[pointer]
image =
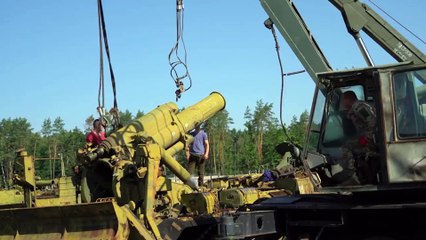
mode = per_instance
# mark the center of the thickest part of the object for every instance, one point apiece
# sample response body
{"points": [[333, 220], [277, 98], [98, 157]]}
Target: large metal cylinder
{"points": [[165, 125]]}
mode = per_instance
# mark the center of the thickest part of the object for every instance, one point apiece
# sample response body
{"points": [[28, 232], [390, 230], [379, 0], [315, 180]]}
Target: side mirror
{"points": [[285, 147]]}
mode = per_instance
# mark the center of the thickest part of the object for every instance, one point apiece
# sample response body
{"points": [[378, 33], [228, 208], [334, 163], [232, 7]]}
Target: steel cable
{"points": [[174, 53]]}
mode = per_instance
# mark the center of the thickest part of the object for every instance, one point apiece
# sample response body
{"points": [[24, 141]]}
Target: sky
{"points": [[49, 55]]}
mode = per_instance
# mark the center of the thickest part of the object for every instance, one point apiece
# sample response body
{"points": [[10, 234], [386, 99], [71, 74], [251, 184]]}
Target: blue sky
{"points": [[49, 59]]}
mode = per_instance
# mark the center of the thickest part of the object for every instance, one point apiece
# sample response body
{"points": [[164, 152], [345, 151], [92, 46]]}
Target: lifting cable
{"points": [[269, 25], [177, 62], [101, 92]]}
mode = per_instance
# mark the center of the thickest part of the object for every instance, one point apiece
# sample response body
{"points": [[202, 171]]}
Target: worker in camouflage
{"points": [[356, 151], [363, 117]]}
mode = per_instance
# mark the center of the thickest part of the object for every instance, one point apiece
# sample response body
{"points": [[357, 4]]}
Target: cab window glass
{"points": [[410, 103], [338, 127], [314, 131]]}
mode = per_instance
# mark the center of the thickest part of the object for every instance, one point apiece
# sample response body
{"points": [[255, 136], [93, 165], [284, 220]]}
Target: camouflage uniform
{"points": [[363, 117]]}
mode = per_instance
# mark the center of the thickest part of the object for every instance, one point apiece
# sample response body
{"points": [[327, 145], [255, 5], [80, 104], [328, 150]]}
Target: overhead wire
{"points": [[399, 23], [177, 63]]}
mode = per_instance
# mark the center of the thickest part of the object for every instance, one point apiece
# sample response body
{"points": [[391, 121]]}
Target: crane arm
{"points": [[359, 16], [294, 30]]}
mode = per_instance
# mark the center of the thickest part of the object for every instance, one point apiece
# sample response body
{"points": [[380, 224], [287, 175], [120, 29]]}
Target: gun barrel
{"points": [[164, 124]]}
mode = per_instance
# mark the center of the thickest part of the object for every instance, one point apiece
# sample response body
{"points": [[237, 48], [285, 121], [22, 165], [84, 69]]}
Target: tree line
{"points": [[251, 149], [233, 151]]}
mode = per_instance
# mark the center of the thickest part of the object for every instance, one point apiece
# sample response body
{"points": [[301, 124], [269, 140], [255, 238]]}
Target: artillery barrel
{"points": [[164, 124]]}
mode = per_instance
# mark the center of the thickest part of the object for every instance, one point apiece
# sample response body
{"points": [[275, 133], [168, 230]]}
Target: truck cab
{"points": [[397, 94], [384, 198]]}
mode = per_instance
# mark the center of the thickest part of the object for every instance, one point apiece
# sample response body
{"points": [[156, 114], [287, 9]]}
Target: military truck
{"points": [[386, 198]]}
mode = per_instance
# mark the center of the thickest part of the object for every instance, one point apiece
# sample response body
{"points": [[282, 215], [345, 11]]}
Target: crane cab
{"points": [[396, 151]]}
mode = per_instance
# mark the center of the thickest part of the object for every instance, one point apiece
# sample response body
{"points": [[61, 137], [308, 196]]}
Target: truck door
{"points": [[406, 129]]}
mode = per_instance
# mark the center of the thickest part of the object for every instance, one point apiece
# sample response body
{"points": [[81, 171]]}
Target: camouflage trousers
{"points": [[354, 158], [348, 161]]}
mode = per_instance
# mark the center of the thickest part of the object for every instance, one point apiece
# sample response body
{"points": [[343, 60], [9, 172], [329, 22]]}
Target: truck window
{"points": [[338, 128], [315, 128], [410, 104]]}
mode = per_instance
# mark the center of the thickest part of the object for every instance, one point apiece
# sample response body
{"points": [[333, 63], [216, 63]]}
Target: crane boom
{"points": [[359, 16], [294, 30]]}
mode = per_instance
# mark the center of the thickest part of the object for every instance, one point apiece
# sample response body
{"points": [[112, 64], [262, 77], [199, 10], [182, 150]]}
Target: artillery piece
{"points": [[126, 165]]}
